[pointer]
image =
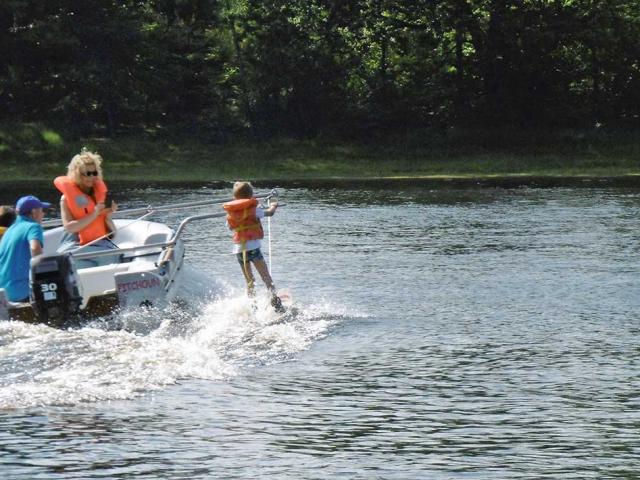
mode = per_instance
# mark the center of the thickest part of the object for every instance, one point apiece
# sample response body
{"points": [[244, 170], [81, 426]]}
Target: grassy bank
{"points": [[35, 152]]}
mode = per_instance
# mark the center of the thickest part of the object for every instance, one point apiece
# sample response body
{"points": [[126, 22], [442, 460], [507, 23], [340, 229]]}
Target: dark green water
{"points": [[440, 333]]}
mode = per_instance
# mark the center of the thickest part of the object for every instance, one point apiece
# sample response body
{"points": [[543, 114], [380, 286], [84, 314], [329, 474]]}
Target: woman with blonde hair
{"points": [[85, 216]]}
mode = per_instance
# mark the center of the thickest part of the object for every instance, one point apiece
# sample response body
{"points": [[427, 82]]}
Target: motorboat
{"points": [[143, 271]]}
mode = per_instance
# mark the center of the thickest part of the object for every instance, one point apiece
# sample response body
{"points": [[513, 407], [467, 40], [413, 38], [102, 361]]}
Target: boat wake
{"points": [[216, 333]]}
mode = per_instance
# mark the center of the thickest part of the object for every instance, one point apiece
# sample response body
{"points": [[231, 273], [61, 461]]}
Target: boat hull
{"points": [[147, 274]]}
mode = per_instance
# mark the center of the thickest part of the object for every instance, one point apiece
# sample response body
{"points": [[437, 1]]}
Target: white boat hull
{"points": [[146, 273]]}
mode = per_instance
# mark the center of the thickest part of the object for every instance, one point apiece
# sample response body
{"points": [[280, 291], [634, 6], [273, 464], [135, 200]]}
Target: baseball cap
{"points": [[28, 203]]}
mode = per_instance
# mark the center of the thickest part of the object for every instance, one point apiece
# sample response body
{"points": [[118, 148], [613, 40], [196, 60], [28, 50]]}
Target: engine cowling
{"points": [[55, 296]]}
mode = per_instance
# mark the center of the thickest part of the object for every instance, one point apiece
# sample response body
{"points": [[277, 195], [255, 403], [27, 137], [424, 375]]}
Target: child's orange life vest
{"points": [[241, 217], [80, 205]]}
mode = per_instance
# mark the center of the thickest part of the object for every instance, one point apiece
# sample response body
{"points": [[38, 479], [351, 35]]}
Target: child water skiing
{"points": [[243, 217]]}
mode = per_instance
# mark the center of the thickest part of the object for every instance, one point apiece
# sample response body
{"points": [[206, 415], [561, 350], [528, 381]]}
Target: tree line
{"points": [[306, 67]]}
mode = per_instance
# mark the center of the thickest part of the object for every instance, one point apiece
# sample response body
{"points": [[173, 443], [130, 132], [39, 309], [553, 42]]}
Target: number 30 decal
{"points": [[49, 287]]}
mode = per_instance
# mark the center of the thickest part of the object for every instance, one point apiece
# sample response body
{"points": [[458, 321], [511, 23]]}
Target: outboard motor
{"points": [[55, 297]]}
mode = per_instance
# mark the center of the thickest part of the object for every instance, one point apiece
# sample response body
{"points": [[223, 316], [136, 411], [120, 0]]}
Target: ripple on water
{"points": [[479, 333]]}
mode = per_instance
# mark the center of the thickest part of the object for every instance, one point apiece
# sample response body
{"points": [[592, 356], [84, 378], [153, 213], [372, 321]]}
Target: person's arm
{"points": [[269, 212], [36, 247], [35, 236], [111, 226], [72, 225]]}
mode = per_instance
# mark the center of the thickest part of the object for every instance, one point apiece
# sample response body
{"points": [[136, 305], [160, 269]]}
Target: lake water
{"points": [[439, 333]]}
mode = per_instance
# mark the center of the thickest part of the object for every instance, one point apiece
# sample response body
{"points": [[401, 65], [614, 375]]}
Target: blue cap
{"points": [[28, 203]]}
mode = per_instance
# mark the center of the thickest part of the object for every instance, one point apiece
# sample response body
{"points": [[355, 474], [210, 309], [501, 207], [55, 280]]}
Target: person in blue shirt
{"points": [[22, 240]]}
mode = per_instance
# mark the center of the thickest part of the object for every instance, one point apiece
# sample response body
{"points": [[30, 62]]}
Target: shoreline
{"points": [[422, 157], [487, 181]]}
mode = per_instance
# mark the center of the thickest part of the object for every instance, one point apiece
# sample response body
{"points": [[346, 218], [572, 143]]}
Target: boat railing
{"points": [[166, 208], [145, 248]]}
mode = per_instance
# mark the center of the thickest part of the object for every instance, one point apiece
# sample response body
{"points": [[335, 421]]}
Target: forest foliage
{"points": [[301, 68]]}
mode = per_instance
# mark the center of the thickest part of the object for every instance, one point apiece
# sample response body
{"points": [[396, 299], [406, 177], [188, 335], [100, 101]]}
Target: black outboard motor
{"points": [[54, 289]]}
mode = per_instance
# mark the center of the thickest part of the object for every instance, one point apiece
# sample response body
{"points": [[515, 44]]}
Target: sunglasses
{"points": [[93, 173]]}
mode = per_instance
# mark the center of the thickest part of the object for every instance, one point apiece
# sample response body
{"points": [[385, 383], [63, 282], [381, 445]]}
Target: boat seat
{"points": [[156, 238], [128, 245]]}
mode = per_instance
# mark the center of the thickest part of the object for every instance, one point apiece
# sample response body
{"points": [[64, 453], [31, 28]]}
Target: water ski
{"points": [[281, 301], [285, 297]]}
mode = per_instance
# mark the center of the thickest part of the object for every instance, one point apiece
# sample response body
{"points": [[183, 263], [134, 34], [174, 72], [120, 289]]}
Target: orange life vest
{"points": [[241, 217], [80, 205]]}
